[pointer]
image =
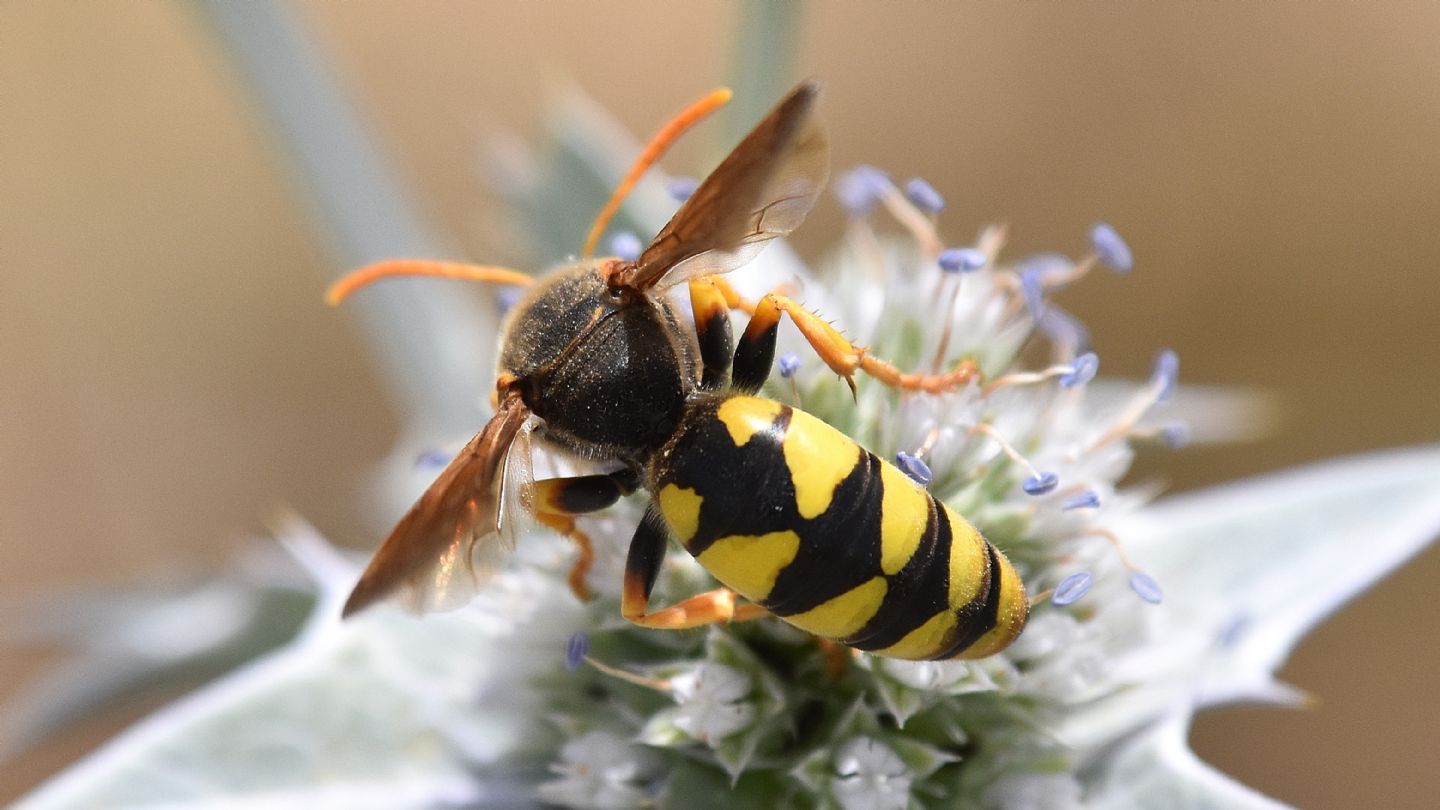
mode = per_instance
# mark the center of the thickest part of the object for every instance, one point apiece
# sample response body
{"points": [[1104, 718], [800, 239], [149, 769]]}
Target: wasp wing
{"points": [[517, 495], [453, 537], [762, 190]]}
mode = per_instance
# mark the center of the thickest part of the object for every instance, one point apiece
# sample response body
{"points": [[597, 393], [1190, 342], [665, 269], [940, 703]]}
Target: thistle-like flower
{"points": [[1021, 454], [1142, 612]]}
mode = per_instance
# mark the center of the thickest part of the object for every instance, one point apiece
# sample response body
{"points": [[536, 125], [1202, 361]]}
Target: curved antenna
{"points": [[369, 274], [657, 147]]}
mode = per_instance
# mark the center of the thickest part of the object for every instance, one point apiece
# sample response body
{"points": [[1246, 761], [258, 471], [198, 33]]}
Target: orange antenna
{"points": [[662, 141], [363, 277]]}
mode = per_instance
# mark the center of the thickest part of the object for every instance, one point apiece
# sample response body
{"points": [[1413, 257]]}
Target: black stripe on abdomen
{"points": [[917, 591], [839, 548], [978, 616]]}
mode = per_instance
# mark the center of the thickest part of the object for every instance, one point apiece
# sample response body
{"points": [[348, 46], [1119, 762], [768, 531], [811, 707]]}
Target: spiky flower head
{"points": [[764, 711]]}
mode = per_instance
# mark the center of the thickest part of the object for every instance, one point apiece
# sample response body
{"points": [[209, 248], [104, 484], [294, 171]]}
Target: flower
{"points": [[528, 694], [1051, 507], [870, 775], [600, 770], [712, 700]]}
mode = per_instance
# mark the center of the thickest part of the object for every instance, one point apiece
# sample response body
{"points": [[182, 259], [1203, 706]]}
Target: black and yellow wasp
{"points": [[783, 509]]}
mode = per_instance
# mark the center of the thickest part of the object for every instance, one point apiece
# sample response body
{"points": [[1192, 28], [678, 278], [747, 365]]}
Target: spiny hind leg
{"points": [[642, 566], [558, 500], [755, 352]]}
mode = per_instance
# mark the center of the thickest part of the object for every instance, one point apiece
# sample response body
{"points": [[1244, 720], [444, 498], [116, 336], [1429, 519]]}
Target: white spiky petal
{"points": [[870, 776], [712, 701], [600, 770]]}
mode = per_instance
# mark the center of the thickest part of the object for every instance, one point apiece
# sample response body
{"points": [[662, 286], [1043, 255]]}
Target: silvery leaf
{"points": [[1156, 769], [1249, 567]]}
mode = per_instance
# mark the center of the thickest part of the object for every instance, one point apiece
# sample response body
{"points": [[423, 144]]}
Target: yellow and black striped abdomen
{"points": [[795, 516]]}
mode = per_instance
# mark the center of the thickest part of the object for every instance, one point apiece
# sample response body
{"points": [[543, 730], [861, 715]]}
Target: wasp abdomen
{"points": [[795, 516]]}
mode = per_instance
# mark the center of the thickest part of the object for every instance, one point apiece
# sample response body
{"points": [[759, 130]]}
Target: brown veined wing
{"points": [[461, 529], [761, 191]]}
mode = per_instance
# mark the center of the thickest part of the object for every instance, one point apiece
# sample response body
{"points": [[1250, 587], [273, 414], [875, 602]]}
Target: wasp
{"points": [[792, 517]]}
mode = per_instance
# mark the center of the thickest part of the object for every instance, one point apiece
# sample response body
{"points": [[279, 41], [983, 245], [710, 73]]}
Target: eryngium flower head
{"points": [[771, 712]]}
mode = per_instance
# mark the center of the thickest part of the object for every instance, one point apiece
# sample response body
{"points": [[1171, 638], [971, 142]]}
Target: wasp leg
{"points": [[642, 566], [733, 299], [756, 352], [712, 326], [558, 500], [837, 657]]}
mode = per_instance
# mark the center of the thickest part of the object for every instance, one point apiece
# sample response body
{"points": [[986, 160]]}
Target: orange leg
{"points": [[733, 299], [712, 607], [837, 657], [844, 357], [558, 500], [711, 308], [642, 566], [565, 524]]}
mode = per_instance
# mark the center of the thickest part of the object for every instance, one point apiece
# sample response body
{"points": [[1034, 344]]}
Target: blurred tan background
{"points": [[167, 369]]}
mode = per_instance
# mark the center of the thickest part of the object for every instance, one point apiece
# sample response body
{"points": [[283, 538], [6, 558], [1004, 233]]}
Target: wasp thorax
{"points": [[609, 377]]}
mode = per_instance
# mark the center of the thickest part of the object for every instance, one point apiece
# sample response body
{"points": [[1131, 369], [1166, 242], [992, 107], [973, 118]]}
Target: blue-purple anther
{"points": [[626, 245], [576, 648], [1167, 372], [924, 196], [1046, 265], [507, 297], [1235, 629], [1040, 483], [1082, 370], [1072, 589], [789, 364], [860, 189], [960, 260], [1175, 435], [1063, 329], [433, 459], [1146, 587], [915, 467], [1111, 248], [1032, 287], [681, 187], [1089, 499]]}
